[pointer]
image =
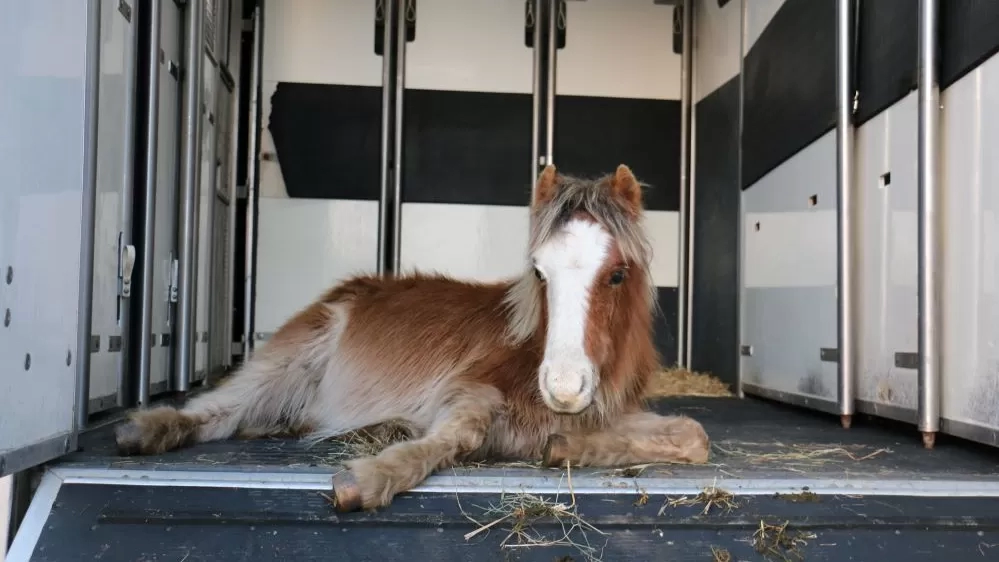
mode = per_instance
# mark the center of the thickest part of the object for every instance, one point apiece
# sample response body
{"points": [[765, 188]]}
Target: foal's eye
{"points": [[537, 273], [617, 277]]}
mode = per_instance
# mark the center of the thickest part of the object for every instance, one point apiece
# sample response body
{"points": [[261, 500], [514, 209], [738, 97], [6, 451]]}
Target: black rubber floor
{"points": [[750, 438]]}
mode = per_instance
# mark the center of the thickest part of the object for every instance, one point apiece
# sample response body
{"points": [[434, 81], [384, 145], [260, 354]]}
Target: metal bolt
{"points": [[27, 361], [6, 318], [10, 275], [69, 358]]}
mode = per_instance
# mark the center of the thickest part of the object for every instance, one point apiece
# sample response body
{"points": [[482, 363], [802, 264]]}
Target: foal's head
{"points": [[591, 262]]}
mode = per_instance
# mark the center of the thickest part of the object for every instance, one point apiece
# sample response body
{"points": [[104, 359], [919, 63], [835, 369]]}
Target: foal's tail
{"points": [[268, 395]]}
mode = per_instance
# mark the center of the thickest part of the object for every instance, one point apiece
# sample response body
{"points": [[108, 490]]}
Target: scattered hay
{"points": [[720, 554], [777, 541], [522, 511], [804, 496], [681, 382], [643, 499], [368, 441], [799, 455], [710, 497]]}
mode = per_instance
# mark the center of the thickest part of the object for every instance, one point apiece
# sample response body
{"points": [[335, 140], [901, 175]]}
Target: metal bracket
{"points": [[829, 354], [166, 340], [95, 344], [907, 360], [114, 344], [125, 10], [746, 350], [174, 279], [174, 69], [126, 264]]}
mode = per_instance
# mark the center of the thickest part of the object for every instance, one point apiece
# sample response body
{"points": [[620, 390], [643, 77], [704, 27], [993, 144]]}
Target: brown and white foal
{"points": [[552, 364]]}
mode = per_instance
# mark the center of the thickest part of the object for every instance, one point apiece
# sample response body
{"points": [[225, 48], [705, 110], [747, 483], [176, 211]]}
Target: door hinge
{"points": [[126, 264], [174, 279]]}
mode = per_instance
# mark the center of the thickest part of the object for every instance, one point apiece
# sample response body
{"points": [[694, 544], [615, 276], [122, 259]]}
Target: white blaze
{"points": [[569, 262]]}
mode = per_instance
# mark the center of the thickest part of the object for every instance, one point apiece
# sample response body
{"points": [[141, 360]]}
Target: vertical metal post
{"points": [[405, 8], [846, 254], [188, 213], [211, 286], [230, 281], [85, 302], [741, 265], [146, 254], [251, 177], [128, 196], [535, 8], [685, 229], [930, 258], [388, 13], [553, 16]]}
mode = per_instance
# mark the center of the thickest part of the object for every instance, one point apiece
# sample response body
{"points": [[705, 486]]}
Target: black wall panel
{"points": [[969, 34], [327, 139], [886, 54], [715, 332], [790, 85], [665, 325], [467, 147], [593, 135]]}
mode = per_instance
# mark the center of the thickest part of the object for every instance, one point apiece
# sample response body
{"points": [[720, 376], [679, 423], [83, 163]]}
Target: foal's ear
{"points": [[625, 186], [547, 183]]}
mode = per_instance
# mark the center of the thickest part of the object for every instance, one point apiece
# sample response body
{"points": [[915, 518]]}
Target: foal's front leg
{"points": [[637, 438], [460, 428]]}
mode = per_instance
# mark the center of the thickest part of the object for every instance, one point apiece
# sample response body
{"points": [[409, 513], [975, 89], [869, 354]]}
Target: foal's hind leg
{"points": [[460, 428], [636, 438]]}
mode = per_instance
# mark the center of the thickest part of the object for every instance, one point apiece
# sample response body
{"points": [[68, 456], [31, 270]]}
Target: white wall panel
{"points": [[970, 138], [758, 15], [321, 42], [476, 242], [304, 246], [619, 49], [471, 45], [167, 178], [663, 228], [109, 218], [716, 46], [789, 275], [888, 256], [43, 87]]}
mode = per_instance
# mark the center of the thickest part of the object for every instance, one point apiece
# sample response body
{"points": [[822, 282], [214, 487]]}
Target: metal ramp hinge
{"points": [[174, 279], [856, 102], [126, 265]]}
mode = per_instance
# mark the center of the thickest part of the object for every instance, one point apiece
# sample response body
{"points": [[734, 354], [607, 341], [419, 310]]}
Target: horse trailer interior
{"points": [[179, 177]]}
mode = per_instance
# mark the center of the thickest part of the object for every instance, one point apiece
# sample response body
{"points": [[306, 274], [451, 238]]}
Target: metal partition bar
{"points": [[405, 8], [230, 281], [685, 230], [535, 13], [211, 287], [740, 259], [89, 212], [188, 213], [846, 250], [388, 12], [145, 287], [128, 196], [553, 7], [251, 177], [930, 258]]}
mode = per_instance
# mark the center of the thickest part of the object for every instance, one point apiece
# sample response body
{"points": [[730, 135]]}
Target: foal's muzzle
{"points": [[567, 387]]}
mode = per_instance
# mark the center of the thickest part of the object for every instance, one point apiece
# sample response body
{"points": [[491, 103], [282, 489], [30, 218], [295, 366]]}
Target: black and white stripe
{"points": [[466, 140]]}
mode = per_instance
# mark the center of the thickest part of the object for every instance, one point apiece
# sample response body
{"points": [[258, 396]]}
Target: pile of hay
{"points": [[682, 382]]}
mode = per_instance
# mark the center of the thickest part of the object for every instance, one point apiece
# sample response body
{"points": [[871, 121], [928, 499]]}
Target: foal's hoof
{"points": [[346, 492], [128, 438], [556, 450]]}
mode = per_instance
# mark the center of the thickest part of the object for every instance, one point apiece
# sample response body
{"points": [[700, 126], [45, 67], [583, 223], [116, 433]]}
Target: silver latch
{"points": [[126, 261], [174, 279]]}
